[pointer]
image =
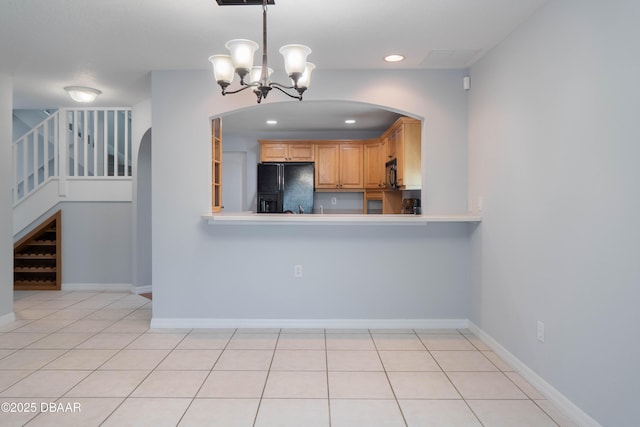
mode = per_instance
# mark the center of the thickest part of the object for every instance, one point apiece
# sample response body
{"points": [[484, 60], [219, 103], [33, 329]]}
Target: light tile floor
{"points": [[89, 359]]}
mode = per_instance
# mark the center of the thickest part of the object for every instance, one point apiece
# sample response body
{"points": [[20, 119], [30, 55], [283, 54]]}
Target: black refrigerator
{"points": [[285, 187]]}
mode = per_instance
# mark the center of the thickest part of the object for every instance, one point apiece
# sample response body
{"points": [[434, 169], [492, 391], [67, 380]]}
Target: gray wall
{"points": [[387, 272], [554, 149], [96, 243], [6, 211]]}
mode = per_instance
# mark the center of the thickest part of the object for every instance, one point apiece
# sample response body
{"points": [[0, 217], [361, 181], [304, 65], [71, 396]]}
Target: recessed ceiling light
{"points": [[394, 58], [350, 121], [272, 122]]}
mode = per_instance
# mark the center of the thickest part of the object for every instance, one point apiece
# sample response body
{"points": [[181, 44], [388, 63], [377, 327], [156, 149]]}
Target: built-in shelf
{"points": [[333, 219], [36, 257]]}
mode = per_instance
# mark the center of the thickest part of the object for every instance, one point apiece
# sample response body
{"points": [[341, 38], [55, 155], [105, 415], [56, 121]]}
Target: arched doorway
{"points": [[143, 247]]}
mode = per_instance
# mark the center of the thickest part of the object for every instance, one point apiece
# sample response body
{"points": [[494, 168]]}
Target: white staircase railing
{"points": [[73, 144], [35, 159]]}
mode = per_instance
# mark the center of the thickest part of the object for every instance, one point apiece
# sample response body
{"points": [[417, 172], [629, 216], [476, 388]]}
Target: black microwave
{"points": [[392, 173]]}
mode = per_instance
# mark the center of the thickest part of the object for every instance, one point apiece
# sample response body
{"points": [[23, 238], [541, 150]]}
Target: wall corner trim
{"points": [[7, 318], [99, 287], [551, 393], [310, 323], [142, 289]]}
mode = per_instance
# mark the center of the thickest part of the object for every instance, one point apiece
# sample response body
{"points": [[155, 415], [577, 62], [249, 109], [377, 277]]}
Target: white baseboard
{"points": [[7, 318], [167, 323], [552, 394], [142, 289], [98, 287]]}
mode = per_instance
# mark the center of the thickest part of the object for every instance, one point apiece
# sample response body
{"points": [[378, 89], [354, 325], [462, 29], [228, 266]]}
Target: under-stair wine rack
{"points": [[37, 257]]}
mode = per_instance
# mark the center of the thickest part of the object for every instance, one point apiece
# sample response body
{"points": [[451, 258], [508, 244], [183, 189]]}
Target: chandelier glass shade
{"points": [[240, 61]]}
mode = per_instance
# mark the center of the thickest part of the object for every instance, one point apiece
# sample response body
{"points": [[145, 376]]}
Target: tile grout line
{"points": [[137, 335], [42, 368], [326, 366], [508, 378], [449, 379], [207, 376], [386, 374], [124, 399], [545, 412], [264, 387]]}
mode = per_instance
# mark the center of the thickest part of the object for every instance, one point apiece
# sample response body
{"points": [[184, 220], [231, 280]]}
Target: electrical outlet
{"points": [[540, 331], [297, 271], [480, 203], [334, 200]]}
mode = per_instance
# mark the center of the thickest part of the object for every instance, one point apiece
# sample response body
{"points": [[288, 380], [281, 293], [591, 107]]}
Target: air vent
{"points": [[243, 2]]}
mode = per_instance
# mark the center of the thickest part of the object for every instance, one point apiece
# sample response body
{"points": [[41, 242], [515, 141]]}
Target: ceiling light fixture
{"points": [[394, 58], [350, 121], [82, 94], [272, 122], [240, 61]]}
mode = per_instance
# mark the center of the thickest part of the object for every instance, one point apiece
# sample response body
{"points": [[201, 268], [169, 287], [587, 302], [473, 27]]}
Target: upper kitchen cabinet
{"points": [[375, 157], [389, 145], [339, 166], [404, 142], [286, 151]]}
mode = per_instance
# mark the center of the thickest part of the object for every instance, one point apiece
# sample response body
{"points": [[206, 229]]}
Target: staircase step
{"points": [[35, 256]]}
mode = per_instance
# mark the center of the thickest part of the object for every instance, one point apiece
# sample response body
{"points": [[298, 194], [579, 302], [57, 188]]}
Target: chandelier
{"points": [[240, 62]]}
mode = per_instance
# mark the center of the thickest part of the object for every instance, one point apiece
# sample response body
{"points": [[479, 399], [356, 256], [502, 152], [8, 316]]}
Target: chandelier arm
{"points": [[278, 86], [231, 92], [296, 87]]}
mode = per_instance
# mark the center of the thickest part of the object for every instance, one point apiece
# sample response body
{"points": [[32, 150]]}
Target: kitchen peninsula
{"points": [[356, 169], [250, 218]]}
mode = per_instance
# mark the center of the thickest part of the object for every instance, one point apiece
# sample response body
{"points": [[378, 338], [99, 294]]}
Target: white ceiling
{"points": [[113, 45]]}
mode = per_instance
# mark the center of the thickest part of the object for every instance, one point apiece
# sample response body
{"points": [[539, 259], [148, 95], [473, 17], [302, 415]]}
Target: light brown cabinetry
{"points": [[374, 164], [339, 165], [389, 145], [404, 139], [356, 164], [327, 165], [216, 165], [369, 197], [281, 151], [392, 202]]}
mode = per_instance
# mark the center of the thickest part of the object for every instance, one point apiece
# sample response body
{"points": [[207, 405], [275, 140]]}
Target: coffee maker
{"points": [[411, 206]]}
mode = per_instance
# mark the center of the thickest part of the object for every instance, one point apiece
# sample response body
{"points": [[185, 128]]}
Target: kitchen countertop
{"points": [[334, 219]]}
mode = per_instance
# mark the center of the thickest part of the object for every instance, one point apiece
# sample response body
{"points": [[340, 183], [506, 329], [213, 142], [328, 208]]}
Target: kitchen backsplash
{"points": [[345, 203]]}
